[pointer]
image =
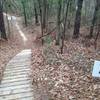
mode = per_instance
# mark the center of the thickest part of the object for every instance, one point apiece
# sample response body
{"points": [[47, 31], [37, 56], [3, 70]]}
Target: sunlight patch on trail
{"points": [[21, 33], [13, 18]]}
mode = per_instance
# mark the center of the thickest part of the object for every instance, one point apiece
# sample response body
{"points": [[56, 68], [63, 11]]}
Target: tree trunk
{"points": [[97, 36], [78, 19], [36, 14], [25, 16], [58, 36], [41, 17], [44, 13], [2, 26], [64, 30], [94, 18]]}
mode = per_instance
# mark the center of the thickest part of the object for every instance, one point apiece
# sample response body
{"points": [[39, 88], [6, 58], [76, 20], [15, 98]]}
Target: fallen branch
{"points": [[50, 31]]}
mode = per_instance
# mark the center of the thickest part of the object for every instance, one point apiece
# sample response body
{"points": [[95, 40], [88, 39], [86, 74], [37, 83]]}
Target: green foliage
{"points": [[48, 39]]}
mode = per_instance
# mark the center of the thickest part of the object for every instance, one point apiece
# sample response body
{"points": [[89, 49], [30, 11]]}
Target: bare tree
{"points": [[24, 11], [44, 13], [97, 6], [41, 17], [64, 30], [78, 19], [58, 36], [2, 26], [36, 13]]}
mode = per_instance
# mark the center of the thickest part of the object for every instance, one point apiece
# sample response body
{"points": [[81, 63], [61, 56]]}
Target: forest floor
{"points": [[66, 76]]}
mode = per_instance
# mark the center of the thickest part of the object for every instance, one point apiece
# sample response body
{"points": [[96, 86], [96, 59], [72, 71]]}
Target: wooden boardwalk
{"points": [[16, 83]]}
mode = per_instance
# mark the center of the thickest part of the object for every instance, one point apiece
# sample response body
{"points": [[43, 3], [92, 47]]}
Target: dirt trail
{"points": [[20, 38], [27, 36]]}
